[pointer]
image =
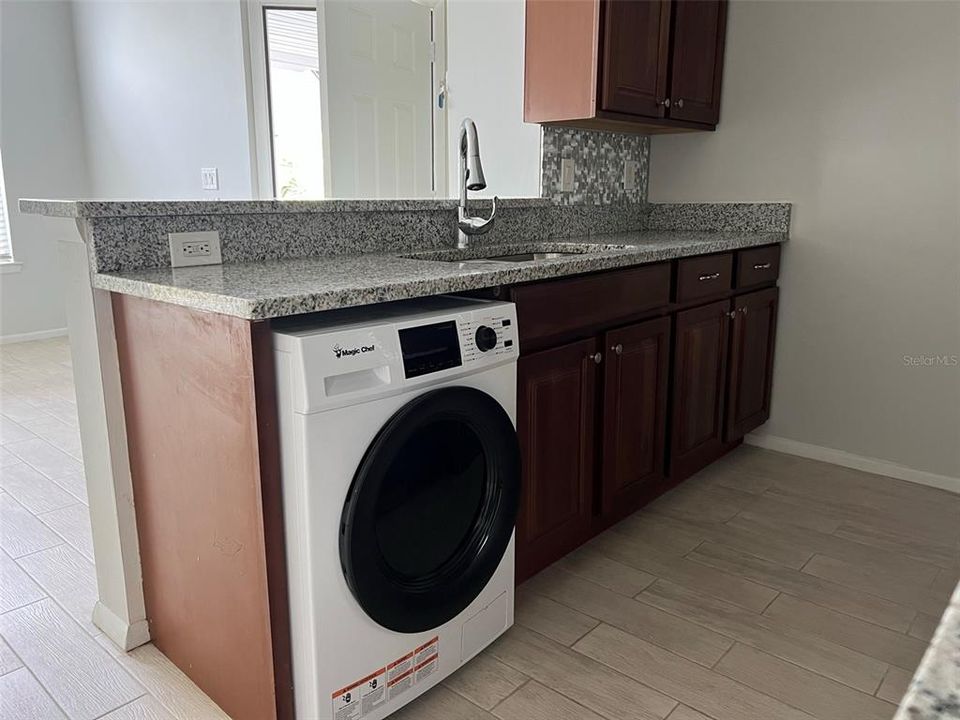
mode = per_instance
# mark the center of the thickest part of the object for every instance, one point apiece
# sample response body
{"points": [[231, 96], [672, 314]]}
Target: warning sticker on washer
{"points": [[367, 694], [426, 660]]}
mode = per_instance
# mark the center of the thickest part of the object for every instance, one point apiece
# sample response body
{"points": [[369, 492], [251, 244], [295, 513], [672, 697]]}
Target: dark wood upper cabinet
{"points": [[751, 361], [556, 425], [699, 380], [634, 414], [635, 49], [648, 66], [699, 27]]}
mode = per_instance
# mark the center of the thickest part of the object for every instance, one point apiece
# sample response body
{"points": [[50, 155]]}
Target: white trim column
{"points": [[119, 611]]}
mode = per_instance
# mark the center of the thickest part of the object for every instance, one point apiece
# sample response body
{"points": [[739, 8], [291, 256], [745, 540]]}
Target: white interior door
{"points": [[379, 97]]}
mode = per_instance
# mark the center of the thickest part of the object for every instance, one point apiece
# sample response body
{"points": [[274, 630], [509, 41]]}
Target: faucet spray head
{"points": [[470, 153]]}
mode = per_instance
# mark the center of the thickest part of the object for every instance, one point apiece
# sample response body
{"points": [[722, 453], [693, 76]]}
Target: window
{"points": [[6, 250], [293, 89]]}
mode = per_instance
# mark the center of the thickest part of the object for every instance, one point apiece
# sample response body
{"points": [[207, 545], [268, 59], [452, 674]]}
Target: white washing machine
{"points": [[401, 482]]}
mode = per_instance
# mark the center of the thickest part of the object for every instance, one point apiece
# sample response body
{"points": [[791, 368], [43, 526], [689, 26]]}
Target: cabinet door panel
{"points": [[556, 425], [699, 380], [634, 414], [697, 60], [635, 54], [751, 361]]}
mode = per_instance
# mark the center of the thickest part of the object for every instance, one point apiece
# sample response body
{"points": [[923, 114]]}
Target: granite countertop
{"points": [[934, 692], [270, 289]]}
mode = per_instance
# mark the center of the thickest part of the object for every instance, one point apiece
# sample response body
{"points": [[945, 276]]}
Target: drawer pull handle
{"points": [[596, 357], [709, 276], [762, 266], [618, 349]]}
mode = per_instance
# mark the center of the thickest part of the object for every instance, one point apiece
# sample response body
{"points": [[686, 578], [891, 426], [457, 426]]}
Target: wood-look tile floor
{"points": [[765, 588]]}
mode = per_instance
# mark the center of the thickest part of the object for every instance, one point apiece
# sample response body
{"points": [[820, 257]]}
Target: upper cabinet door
{"points": [[751, 361], [634, 414], [698, 31], [635, 52]]}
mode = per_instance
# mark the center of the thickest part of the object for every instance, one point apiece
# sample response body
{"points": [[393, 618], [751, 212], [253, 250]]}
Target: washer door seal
{"points": [[431, 509]]}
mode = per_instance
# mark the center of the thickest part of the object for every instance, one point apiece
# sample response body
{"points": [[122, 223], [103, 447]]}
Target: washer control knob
{"points": [[486, 338]]}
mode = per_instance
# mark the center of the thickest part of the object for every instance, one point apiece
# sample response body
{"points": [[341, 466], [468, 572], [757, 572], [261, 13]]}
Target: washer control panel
{"points": [[488, 335]]}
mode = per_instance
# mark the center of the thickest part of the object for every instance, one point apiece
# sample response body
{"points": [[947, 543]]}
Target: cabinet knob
{"points": [[732, 314], [665, 102], [618, 349], [678, 102], [743, 310], [597, 357]]}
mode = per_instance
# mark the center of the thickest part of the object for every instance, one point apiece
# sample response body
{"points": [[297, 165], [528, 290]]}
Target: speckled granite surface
{"points": [[934, 692], [268, 289], [757, 217], [125, 236], [141, 208]]}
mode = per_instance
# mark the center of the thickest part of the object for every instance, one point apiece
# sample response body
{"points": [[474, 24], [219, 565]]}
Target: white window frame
{"points": [[6, 243], [258, 92]]}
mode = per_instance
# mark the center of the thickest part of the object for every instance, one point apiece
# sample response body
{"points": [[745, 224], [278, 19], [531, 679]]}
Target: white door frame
{"points": [[258, 98]]}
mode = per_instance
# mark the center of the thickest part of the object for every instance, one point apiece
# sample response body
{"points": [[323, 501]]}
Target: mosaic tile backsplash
{"points": [[599, 159]]}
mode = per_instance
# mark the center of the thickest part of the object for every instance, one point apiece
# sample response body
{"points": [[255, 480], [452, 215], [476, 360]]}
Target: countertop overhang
{"points": [[270, 289]]}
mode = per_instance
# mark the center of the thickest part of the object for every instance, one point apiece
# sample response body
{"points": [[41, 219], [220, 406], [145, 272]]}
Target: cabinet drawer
{"points": [[562, 307], [704, 277], [758, 266]]}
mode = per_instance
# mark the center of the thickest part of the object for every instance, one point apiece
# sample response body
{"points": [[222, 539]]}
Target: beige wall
{"points": [[851, 110]]}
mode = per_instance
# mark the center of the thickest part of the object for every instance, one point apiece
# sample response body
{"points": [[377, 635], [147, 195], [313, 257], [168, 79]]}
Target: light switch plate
{"points": [[195, 248], [209, 178], [567, 170], [629, 174]]}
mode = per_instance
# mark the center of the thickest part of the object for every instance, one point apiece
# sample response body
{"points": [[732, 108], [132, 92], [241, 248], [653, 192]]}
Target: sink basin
{"points": [[531, 256], [518, 253]]}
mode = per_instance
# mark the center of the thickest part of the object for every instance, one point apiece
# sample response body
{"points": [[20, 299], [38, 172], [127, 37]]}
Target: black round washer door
{"points": [[431, 509]]}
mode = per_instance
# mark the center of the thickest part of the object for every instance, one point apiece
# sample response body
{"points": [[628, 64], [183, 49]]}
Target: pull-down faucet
{"points": [[471, 178]]}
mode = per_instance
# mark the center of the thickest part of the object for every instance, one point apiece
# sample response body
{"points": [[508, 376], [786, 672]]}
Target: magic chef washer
{"points": [[401, 481]]}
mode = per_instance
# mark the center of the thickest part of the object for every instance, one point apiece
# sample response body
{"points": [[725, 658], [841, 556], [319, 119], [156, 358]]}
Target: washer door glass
{"points": [[431, 509]]}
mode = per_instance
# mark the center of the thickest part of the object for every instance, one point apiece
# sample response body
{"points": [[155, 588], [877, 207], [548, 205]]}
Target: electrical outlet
{"points": [[567, 170], [195, 248], [629, 174], [209, 178]]}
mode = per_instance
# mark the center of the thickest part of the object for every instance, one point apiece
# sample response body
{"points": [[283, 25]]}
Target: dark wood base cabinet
{"points": [[555, 416], [627, 394]]}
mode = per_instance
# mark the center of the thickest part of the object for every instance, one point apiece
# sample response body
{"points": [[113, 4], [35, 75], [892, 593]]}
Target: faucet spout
{"points": [[471, 178]]}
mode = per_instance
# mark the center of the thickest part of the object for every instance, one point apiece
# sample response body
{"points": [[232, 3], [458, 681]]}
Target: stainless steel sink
{"points": [[531, 256], [518, 253]]}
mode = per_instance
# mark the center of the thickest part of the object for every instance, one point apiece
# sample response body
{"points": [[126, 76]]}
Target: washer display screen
{"points": [[429, 348]]}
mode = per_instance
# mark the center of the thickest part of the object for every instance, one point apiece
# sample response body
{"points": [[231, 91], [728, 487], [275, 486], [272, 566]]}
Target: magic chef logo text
{"points": [[342, 352]]}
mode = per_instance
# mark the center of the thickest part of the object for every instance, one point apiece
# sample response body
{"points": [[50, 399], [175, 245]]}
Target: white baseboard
{"points": [[27, 337], [124, 635], [850, 460]]}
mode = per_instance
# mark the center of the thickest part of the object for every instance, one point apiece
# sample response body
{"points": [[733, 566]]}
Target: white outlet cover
{"points": [[209, 178], [629, 174], [567, 170], [178, 258]]}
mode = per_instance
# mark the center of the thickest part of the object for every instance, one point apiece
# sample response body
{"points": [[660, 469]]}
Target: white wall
{"points": [[485, 79], [41, 137], [164, 94], [852, 111]]}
